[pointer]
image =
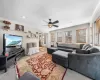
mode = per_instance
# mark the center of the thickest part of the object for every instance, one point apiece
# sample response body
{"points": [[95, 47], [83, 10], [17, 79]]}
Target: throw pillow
{"points": [[86, 46], [93, 50]]}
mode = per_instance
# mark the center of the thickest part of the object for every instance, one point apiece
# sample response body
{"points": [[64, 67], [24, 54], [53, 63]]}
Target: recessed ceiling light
{"points": [[23, 17]]}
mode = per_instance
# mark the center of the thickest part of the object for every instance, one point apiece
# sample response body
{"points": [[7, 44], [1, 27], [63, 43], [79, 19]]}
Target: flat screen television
{"points": [[12, 40]]}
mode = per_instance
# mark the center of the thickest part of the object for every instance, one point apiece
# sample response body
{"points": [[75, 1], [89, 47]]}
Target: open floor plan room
{"points": [[49, 40]]}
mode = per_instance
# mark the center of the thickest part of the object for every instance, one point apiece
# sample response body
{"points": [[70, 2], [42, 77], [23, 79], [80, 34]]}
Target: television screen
{"points": [[13, 40]]}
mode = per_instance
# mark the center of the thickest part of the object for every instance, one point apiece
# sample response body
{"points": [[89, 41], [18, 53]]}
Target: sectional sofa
{"points": [[86, 64], [84, 61]]}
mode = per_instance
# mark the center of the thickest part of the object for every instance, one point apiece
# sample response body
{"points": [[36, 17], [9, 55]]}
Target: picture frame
{"points": [[19, 27]]}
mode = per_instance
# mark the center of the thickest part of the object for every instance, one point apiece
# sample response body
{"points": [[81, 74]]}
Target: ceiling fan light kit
{"points": [[51, 24]]}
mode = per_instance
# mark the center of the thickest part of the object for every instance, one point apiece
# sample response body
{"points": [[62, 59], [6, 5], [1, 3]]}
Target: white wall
{"points": [[95, 16], [45, 36], [96, 13], [73, 29], [12, 31]]}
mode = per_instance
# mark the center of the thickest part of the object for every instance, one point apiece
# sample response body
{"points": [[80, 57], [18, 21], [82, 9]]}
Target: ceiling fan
{"points": [[50, 24]]}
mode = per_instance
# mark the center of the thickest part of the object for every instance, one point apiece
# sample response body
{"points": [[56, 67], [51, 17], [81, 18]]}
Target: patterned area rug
{"points": [[41, 65]]}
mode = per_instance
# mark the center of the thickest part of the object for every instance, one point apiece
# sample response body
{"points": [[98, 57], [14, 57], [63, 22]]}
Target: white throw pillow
{"points": [[86, 46]]}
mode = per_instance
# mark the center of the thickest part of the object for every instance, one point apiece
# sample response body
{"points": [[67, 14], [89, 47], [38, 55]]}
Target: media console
{"points": [[14, 54], [17, 52]]}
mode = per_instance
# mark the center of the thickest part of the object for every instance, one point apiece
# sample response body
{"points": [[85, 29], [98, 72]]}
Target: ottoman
{"points": [[61, 58], [51, 50]]}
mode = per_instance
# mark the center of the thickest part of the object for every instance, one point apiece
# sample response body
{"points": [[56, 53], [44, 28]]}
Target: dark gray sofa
{"points": [[85, 61], [51, 50], [65, 47], [86, 64], [69, 47]]}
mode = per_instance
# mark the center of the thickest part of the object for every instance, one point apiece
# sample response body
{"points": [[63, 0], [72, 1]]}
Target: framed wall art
{"points": [[19, 27]]}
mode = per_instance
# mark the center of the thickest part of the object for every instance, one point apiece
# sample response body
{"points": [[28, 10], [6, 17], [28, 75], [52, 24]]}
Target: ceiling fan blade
{"points": [[45, 21], [55, 25], [55, 22], [50, 20]]}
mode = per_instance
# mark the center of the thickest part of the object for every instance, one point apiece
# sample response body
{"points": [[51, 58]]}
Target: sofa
{"points": [[69, 47], [60, 54], [86, 64], [84, 60], [51, 50], [64, 47]]}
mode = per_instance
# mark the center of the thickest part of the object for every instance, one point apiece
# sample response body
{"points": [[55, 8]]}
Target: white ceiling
{"points": [[68, 12]]}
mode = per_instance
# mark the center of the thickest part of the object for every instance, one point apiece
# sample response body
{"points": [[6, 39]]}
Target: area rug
{"points": [[41, 65]]}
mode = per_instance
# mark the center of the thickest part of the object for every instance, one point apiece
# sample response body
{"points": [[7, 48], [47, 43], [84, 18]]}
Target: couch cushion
{"points": [[82, 51], [65, 49], [61, 53], [93, 50], [61, 58], [69, 46]]}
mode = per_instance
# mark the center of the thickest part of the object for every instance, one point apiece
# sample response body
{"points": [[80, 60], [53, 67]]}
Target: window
{"points": [[45, 38], [52, 37], [96, 36], [59, 36], [91, 35], [68, 37], [81, 35]]}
